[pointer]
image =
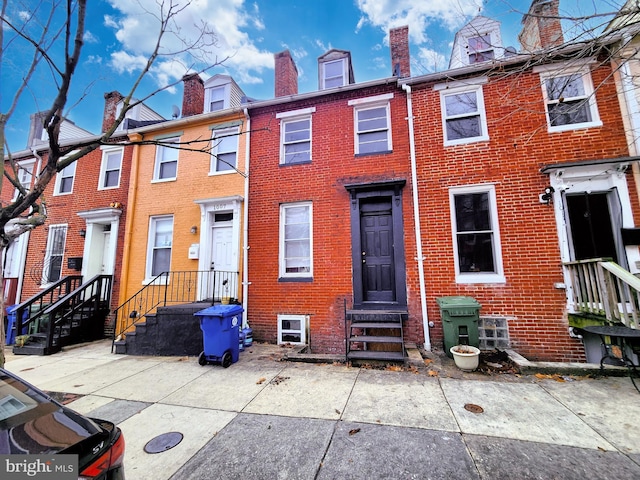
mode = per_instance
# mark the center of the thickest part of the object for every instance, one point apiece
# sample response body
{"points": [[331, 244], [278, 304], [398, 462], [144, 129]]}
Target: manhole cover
{"points": [[473, 408], [163, 442]]}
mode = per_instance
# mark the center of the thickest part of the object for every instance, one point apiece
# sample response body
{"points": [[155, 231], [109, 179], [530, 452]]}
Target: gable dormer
{"points": [[478, 41], [335, 69], [221, 92]]}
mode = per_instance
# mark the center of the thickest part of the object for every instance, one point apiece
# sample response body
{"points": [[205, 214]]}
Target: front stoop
{"points": [[375, 336]]}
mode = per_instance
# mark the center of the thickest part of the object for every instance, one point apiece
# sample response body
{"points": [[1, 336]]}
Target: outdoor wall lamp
{"points": [[83, 232], [547, 196], [194, 230]]}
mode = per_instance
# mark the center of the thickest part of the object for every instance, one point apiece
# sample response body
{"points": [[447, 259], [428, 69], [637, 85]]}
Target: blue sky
{"points": [[249, 32]]}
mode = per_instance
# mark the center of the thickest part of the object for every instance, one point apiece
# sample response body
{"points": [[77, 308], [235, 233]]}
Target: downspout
{"points": [[416, 215], [245, 221], [130, 206]]}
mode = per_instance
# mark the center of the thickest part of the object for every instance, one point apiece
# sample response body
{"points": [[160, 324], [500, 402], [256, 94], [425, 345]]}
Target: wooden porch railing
{"points": [[602, 287], [177, 287]]}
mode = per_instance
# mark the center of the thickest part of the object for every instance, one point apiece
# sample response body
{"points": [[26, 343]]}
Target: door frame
{"points": [[94, 246], [357, 192], [208, 208]]}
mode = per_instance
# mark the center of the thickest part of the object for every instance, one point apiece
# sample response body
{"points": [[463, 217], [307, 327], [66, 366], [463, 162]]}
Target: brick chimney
{"points": [[399, 46], [541, 28], [111, 100], [192, 95], [286, 81]]}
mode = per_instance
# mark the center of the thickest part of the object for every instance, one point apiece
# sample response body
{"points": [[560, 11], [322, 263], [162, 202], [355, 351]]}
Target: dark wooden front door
{"points": [[376, 229]]}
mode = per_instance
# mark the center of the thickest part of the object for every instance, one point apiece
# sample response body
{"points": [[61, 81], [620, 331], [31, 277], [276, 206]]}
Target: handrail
{"points": [[30, 311], [175, 287], [602, 287]]}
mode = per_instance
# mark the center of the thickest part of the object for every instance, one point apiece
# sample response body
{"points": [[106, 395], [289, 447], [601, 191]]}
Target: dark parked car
{"points": [[31, 422]]}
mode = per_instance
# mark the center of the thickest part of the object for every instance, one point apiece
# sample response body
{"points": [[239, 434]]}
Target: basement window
{"points": [[292, 329]]}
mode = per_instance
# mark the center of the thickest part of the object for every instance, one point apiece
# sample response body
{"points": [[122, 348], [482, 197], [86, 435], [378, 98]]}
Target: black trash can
{"points": [[220, 325]]}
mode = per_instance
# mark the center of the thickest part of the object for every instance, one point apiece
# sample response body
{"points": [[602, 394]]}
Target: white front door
{"points": [[222, 260], [107, 255]]}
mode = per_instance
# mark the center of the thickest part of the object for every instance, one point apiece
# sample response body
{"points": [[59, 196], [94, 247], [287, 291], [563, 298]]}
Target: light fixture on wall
{"points": [[547, 196], [194, 230], [83, 232]]}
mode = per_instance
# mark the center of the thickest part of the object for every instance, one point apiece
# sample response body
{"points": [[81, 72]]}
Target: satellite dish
{"points": [[175, 111]]}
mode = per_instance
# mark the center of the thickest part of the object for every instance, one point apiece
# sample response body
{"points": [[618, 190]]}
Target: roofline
{"points": [[321, 93], [586, 163]]}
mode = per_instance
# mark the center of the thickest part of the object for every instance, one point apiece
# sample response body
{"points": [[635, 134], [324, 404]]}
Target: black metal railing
{"points": [[66, 309], [176, 287]]}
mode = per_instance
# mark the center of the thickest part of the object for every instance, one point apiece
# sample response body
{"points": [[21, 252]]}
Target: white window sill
{"points": [[226, 172], [466, 141], [164, 180], [157, 281], [468, 278], [574, 126]]}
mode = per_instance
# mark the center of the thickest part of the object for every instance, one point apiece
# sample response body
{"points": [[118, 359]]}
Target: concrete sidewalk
{"points": [[264, 418]]}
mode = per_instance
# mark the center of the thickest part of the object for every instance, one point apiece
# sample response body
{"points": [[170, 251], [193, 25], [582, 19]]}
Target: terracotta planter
{"points": [[466, 357]]}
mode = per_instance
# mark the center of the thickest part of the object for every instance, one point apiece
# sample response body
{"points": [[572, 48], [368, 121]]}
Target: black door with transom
{"points": [[376, 229]]}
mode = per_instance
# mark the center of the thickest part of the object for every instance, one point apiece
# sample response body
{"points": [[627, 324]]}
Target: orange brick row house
{"points": [[339, 217]]}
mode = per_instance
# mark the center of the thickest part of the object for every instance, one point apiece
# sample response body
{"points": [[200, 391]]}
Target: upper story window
{"points": [[476, 236], [480, 48], [25, 176], [110, 169], [296, 243], [569, 98], [64, 179], [216, 98], [166, 166], [334, 73], [464, 118], [224, 156], [295, 136], [372, 124]]}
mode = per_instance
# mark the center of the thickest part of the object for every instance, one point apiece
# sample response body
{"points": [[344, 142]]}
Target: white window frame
{"points": [[104, 167], [478, 277], [208, 94], [160, 149], [290, 117], [50, 251], [304, 325], [67, 172], [151, 247], [457, 88], [282, 242], [343, 62], [470, 51], [564, 70], [218, 146], [25, 176], [369, 103]]}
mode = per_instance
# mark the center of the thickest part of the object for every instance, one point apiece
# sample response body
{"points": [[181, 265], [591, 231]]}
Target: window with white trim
{"points": [[296, 140], [463, 115], [480, 49], [110, 169], [159, 246], [216, 98], [292, 329], [64, 179], [54, 253], [334, 73], [372, 119], [476, 237], [224, 156], [296, 242], [569, 99], [25, 175], [166, 166]]}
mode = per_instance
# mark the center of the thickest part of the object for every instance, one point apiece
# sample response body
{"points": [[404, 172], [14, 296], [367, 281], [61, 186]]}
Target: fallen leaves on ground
{"points": [[432, 373], [277, 380], [261, 381], [554, 376], [354, 431]]}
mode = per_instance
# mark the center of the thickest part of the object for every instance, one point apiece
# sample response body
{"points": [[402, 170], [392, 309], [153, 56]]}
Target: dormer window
{"points": [[480, 49], [216, 98], [334, 73]]}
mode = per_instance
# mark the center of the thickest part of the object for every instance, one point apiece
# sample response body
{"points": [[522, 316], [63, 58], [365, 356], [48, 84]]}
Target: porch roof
{"points": [[583, 163]]}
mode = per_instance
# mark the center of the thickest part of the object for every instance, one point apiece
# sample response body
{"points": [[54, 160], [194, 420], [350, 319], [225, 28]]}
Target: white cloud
{"points": [[93, 59], [428, 61], [124, 62], [24, 15], [418, 15], [89, 37], [136, 30]]}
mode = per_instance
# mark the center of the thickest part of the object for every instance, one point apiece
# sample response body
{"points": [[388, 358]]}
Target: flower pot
{"points": [[466, 357], [225, 300]]}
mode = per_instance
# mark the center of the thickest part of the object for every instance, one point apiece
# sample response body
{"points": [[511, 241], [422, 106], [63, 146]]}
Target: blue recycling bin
{"points": [[10, 337], [220, 325]]}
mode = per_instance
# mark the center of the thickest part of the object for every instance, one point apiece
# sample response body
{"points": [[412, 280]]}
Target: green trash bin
{"points": [[459, 321]]}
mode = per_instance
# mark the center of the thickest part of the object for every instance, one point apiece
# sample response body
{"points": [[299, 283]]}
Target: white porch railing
{"points": [[602, 287]]}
